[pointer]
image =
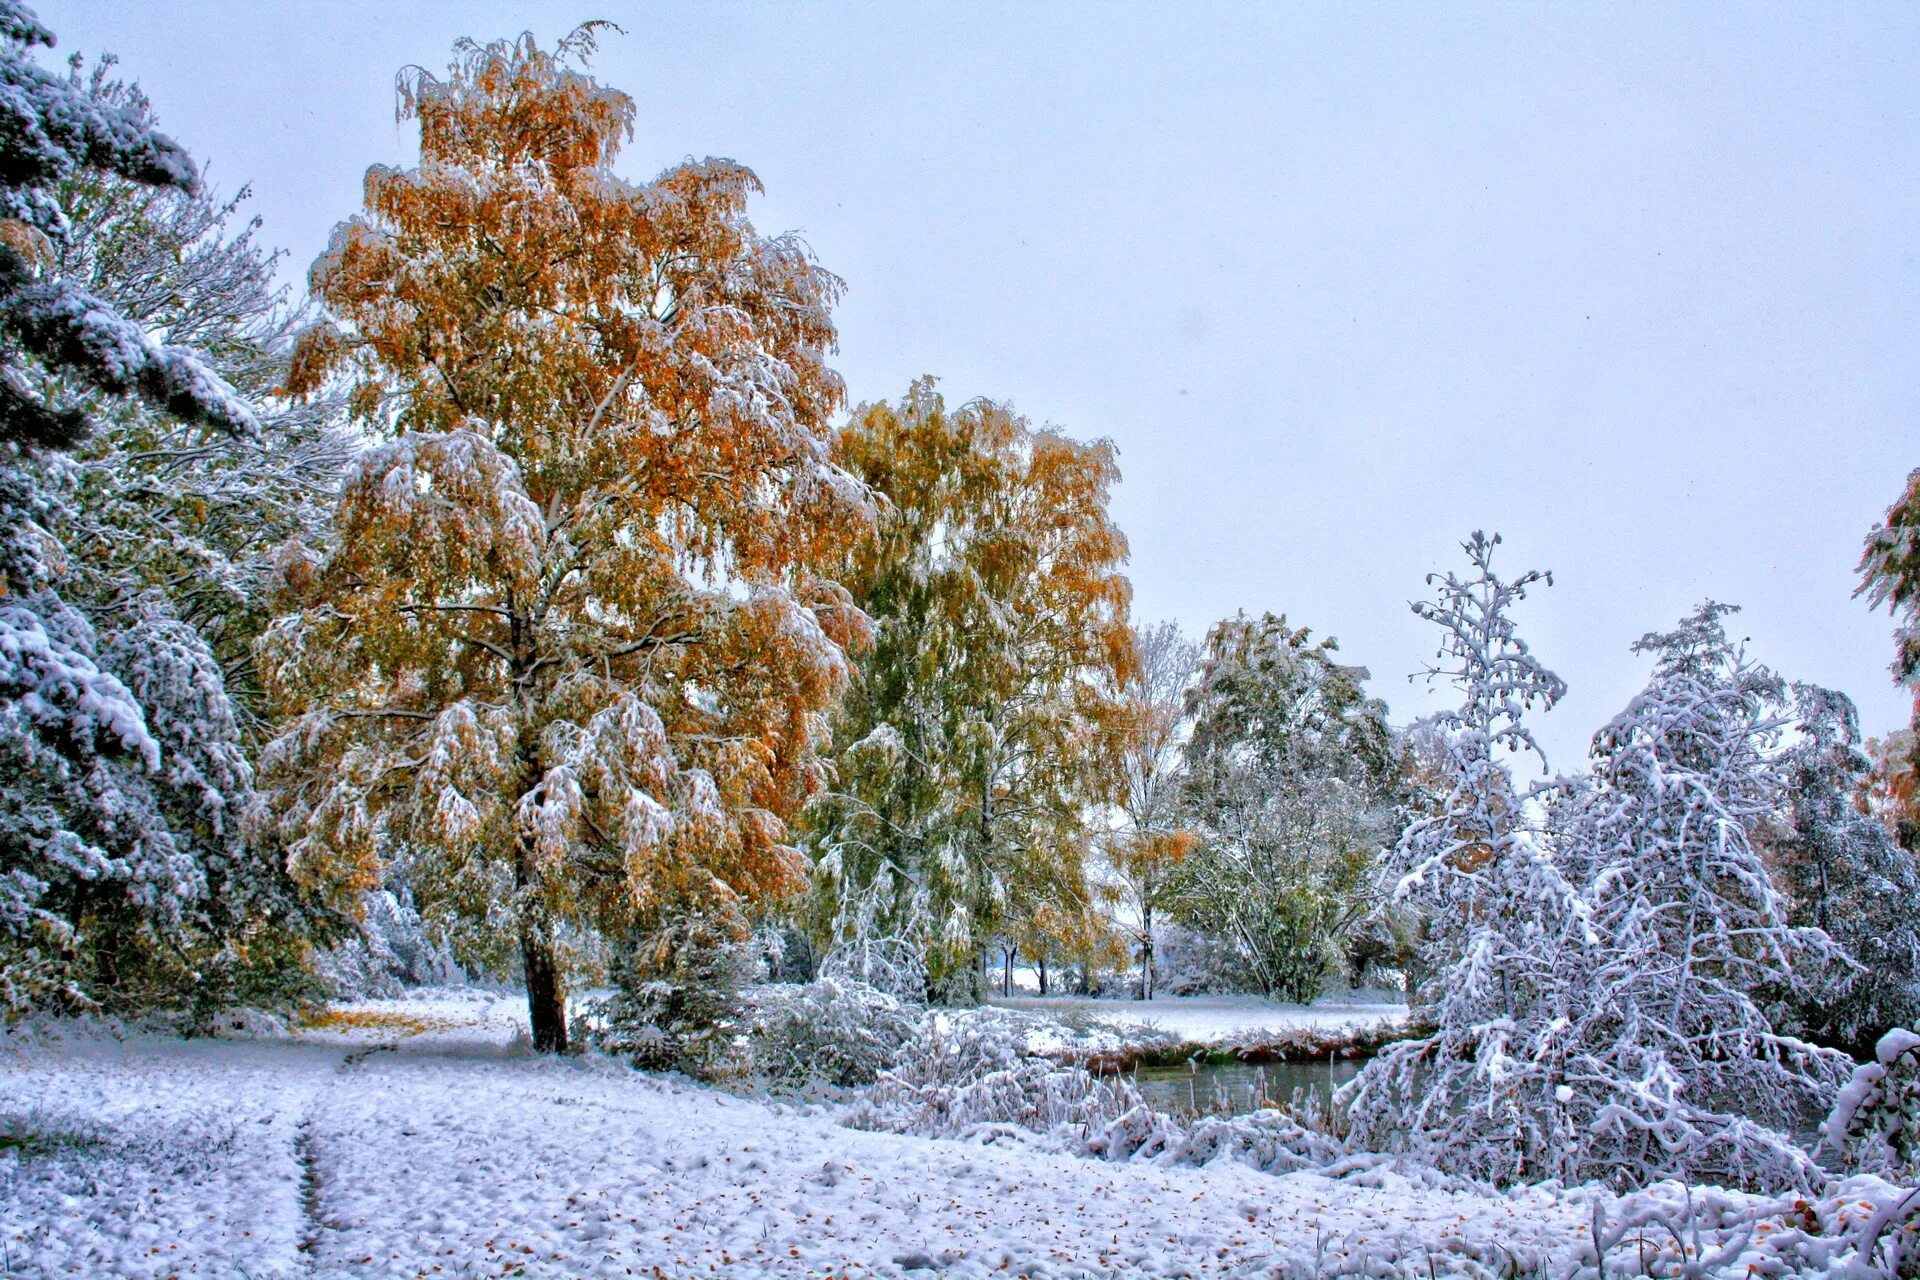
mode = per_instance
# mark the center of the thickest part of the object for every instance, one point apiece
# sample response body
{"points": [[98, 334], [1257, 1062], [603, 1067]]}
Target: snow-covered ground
{"points": [[1219, 1019], [421, 1138]]}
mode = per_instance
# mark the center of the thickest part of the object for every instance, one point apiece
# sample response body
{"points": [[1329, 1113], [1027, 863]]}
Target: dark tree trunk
{"points": [[546, 1000], [1042, 962]]}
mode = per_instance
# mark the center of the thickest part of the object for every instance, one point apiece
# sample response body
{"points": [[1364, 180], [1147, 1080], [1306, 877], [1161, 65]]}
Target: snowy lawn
{"points": [[1218, 1019], [420, 1138]]}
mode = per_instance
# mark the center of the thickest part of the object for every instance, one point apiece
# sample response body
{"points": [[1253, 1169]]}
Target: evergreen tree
{"points": [[569, 654], [984, 727], [122, 792], [1693, 930], [1504, 930]]}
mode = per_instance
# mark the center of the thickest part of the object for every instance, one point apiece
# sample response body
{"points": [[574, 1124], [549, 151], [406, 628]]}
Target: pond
{"points": [[1235, 1088]]}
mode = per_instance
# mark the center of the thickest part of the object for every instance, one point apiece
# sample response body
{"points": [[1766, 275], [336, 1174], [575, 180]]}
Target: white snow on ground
{"points": [[429, 1142], [1216, 1019]]}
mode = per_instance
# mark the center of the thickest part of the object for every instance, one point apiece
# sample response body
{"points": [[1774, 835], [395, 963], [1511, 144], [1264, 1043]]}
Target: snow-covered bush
{"points": [[1859, 1228], [677, 1003], [1875, 1124], [974, 1072], [838, 1032], [389, 952], [864, 951]]}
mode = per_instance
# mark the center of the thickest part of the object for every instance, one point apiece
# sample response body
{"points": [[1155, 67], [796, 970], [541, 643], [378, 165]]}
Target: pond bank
{"points": [[1291, 1045]]}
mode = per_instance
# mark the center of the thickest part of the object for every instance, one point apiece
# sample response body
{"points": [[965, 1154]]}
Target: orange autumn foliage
{"points": [[570, 655]]}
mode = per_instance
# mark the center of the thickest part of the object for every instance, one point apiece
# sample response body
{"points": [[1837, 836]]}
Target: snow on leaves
{"points": [[572, 650]]}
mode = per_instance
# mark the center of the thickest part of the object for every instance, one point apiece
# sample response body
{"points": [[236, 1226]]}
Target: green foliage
{"points": [[1291, 778], [984, 722]]}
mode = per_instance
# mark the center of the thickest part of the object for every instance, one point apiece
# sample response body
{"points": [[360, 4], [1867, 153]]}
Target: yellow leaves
{"points": [[577, 635], [29, 242]]}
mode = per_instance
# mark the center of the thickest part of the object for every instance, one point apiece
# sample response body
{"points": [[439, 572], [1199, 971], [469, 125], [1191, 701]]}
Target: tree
{"points": [[168, 530], [1693, 930], [104, 820], [983, 728], [1480, 1094], [1289, 778], [1602, 1018], [1144, 855], [568, 658], [1844, 874], [163, 514], [1890, 575], [1890, 791]]}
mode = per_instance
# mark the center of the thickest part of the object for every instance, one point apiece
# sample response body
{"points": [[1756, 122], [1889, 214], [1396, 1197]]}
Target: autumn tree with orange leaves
{"points": [[985, 726], [569, 656]]}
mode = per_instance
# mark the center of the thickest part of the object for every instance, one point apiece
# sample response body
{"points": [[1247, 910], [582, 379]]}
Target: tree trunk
{"points": [[1006, 971], [1042, 962], [1146, 953], [546, 1000]]}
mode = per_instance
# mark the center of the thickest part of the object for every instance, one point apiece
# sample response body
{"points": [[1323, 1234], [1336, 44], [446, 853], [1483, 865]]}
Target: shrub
{"points": [[834, 1031]]}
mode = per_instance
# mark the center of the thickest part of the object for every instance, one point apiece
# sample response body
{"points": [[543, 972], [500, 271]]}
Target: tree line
{"points": [[532, 570]]}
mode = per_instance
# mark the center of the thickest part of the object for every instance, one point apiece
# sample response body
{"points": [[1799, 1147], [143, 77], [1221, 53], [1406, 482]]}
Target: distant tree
{"points": [[1143, 856], [1289, 778], [118, 792], [569, 654], [983, 728], [1845, 874]]}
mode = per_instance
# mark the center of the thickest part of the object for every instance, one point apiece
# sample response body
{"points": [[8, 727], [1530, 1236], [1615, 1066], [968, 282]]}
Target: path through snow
{"points": [[459, 1154]]}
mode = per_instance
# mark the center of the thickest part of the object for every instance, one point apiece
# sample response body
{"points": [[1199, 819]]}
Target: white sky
{"points": [[1636, 286]]}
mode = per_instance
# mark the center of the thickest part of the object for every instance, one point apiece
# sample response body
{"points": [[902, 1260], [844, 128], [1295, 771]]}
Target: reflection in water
{"points": [[1237, 1088]]}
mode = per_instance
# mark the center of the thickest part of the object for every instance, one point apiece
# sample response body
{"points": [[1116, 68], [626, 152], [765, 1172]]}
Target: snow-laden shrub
{"points": [[974, 1075], [834, 1031], [1861, 1228], [896, 966], [1875, 1124], [974, 1072], [1187, 962]]}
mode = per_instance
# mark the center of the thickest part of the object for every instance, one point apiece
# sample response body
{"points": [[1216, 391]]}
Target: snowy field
{"points": [[421, 1138], [1220, 1019]]}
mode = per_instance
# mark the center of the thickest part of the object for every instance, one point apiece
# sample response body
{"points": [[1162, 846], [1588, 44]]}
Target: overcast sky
{"points": [[1636, 286]]}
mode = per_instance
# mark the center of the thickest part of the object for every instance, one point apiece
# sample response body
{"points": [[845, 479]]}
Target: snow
{"points": [[421, 1137], [1220, 1019]]}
